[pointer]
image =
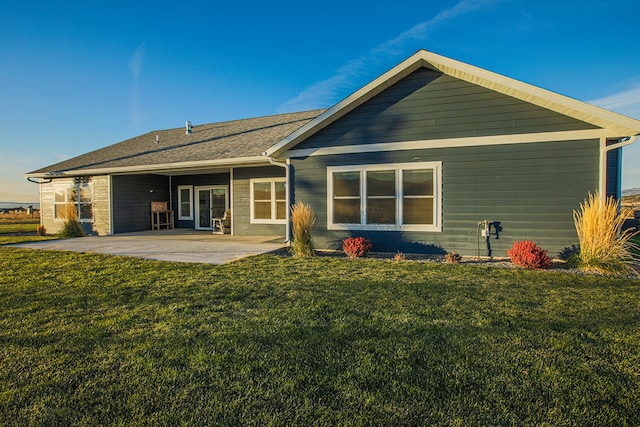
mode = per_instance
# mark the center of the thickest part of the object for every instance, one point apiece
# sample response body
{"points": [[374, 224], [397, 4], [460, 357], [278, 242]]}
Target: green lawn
{"points": [[17, 228], [90, 339], [17, 223]]}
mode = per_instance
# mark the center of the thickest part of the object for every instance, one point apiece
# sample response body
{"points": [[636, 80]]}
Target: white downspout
{"points": [[604, 149], [287, 168]]}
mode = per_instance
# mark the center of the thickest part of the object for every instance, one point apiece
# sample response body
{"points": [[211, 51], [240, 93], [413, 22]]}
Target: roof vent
{"points": [[188, 127], [157, 138]]}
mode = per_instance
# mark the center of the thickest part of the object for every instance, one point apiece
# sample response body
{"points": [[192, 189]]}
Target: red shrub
{"points": [[452, 258], [527, 254], [356, 247]]}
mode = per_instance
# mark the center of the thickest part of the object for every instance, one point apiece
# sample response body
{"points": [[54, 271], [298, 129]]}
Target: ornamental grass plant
{"points": [[71, 227], [604, 246], [303, 218]]}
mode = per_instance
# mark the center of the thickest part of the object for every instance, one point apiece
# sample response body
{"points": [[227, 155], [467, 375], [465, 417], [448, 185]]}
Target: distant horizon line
{"points": [[20, 203]]}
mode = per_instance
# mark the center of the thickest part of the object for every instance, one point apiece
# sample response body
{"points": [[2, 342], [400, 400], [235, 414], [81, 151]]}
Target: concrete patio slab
{"points": [[168, 245]]}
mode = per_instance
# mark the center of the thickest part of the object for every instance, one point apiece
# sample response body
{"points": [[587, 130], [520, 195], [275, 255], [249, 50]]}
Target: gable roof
{"points": [[238, 142], [613, 123]]}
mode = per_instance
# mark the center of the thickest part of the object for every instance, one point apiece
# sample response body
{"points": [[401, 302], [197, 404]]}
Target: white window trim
{"points": [[191, 209], [75, 186], [397, 167], [273, 219]]}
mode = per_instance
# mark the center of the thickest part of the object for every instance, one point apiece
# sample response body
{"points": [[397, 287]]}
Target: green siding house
{"points": [[431, 157]]}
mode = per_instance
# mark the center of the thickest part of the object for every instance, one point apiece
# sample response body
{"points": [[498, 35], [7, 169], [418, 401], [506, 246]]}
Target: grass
{"points": [[18, 223], [269, 340], [20, 218], [19, 227]]}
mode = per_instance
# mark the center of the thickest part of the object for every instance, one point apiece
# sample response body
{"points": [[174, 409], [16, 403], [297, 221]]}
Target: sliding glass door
{"points": [[211, 202]]}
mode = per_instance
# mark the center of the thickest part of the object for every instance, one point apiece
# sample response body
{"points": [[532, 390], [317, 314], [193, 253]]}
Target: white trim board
{"points": [[273, 202], [528, 138]]}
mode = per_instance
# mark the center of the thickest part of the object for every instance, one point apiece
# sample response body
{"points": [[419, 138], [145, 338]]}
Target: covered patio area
{"points": [[179, 245]]}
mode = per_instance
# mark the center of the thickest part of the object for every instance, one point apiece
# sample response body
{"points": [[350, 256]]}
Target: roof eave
{"points": [[155, 168]]}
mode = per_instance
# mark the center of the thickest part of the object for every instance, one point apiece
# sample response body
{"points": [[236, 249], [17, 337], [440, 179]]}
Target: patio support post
{"points": [[287, 168]]}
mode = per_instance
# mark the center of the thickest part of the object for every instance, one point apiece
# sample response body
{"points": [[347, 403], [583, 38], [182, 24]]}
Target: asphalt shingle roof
{"points": [[215, 141]]}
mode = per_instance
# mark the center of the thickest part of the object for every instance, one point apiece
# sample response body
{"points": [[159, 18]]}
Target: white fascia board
{"points": [[160, 167], [450, 143]]}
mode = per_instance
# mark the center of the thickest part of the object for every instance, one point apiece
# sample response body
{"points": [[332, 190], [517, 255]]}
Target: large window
{"points": [[268, 200], [77, 197], [385, 197], [185, 202]]}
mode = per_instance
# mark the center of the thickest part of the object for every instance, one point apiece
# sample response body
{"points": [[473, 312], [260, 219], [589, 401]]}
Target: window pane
{"points": [[262, 210], [346, 211], [280, 190], [381, 183], [346, 184], [281, 210], [418, 210], [417, 182], [218, 202], [381, 211], [60, 210], [60, 195], [185, 209], [86, 211], [85, 194], [72, 195], [185, 202], [262, 191]]}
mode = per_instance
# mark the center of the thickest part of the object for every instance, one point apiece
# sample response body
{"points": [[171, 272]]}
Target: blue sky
{"points": [[77, 76]]}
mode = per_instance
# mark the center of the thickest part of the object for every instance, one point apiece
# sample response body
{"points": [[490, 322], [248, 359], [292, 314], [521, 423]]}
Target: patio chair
{"points": [[219, 225], [161, 215]]}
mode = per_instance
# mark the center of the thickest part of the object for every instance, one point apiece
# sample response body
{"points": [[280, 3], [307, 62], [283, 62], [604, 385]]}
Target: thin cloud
{"points": [[61, 156], [626, 102], [327, 92], [136, 61]]}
